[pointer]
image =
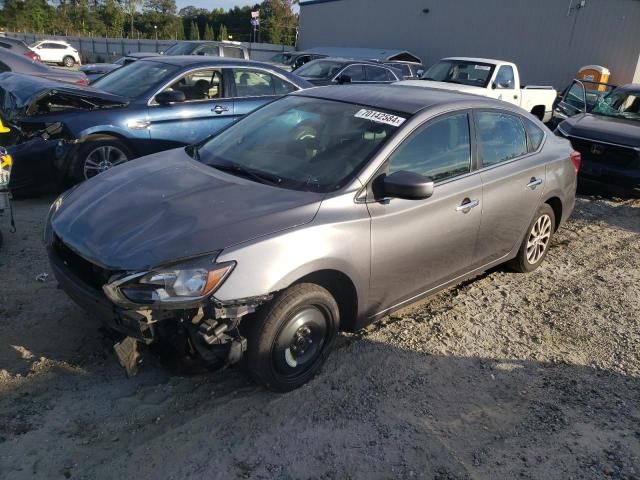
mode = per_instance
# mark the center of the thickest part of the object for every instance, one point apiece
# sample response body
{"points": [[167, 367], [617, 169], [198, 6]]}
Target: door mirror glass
{"points": [[170, 96], [342, 79], [408, 185]]}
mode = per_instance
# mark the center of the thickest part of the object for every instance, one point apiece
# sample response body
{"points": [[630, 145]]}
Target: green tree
{"points": [[194, 32], [113, 18], [132, 7], [279, 22], [223, 35], [180, 30], [208, 32]]}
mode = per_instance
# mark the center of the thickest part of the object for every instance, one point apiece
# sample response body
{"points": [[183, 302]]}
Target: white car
{"points": [[489, 78], [56, 51]]}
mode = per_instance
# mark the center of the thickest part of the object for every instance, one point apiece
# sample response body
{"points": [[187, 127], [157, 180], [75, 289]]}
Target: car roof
{"points": [[381, 54], [631, 87], [398, 98], [346, 61], [142, 54], [63, 42], [478, 60], [204, 60]]}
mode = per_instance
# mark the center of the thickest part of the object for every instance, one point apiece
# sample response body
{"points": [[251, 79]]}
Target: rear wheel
{"points": [[535, 245], [290, 338], [68, 61], [97, 155]]}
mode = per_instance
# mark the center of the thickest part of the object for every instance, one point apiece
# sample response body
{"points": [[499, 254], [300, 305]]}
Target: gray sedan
{"points": [[13, 62], [322, 211]]}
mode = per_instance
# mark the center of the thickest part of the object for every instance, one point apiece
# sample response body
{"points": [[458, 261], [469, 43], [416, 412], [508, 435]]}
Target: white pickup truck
{"points": [[489, 78]]}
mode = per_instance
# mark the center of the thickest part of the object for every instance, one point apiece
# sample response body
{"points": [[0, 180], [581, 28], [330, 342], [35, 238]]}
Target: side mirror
{"points": [[408, 185], [342, 79], [170, 96]]}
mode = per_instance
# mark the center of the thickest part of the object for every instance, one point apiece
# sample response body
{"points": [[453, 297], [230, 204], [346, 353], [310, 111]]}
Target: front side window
{"points": [[301, 143], [501, 137], [134, 79], [440, 150], [505, 78], [205, 84]]}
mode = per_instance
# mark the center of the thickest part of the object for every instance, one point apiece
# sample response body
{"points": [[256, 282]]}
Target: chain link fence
{"points": [[101, 49]]}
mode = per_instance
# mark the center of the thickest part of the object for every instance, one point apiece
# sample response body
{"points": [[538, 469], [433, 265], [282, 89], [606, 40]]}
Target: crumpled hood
{"points": [[454, 87], [166, 207], [604, 129], [20, 93]]}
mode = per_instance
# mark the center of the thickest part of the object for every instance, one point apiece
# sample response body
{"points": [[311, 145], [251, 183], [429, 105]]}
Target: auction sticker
{"points": [[380, 117]]}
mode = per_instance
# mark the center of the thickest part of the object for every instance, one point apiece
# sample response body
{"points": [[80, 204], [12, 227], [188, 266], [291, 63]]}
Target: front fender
{"points": [[338, 239]]}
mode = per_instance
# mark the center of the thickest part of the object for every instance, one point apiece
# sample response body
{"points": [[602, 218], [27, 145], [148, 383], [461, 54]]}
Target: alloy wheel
{"points": [[539, 239], [101, 159]]}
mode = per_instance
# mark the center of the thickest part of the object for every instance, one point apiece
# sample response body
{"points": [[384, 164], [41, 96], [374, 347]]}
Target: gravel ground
{"points": [[507, 376]]}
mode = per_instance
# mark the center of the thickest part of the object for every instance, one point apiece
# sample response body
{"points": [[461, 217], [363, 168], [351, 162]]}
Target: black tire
{"points": [[68, 61], [272, 360], [526, 261], [80, 169]]}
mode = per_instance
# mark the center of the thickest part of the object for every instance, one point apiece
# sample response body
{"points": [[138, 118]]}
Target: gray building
{"points": [[548, 39]]}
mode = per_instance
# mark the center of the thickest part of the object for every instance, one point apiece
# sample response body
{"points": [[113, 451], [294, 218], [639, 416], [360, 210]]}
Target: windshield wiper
{"points": [[239, 170]]}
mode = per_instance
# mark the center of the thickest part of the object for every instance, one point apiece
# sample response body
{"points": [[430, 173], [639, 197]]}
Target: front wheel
{"points": [[535, 245], [99, 154], [289, 338]]}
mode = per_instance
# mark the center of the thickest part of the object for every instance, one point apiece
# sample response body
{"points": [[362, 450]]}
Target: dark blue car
{"points": [[151, 105]]}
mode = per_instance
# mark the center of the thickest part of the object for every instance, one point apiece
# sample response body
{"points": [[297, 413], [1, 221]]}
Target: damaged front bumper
{"points": [[210, 331]]}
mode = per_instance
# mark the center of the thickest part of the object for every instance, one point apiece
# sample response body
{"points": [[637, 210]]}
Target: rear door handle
{"points": [[219, 109], [534, 182], [467, 205]]}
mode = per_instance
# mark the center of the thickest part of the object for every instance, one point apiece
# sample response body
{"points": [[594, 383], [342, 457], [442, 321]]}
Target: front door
{"points": [[513, 182], [417, 245], [205, 111]]}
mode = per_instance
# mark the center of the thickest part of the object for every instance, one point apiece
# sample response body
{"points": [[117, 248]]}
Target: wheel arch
{"points": [[343, 290], [556, 205], [539, 111]]}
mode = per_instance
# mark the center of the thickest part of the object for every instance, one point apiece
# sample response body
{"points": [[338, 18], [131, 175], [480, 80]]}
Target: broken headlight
{"points": [[181, 284]]}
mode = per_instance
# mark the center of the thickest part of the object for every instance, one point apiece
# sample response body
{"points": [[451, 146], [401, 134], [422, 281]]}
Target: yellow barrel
{"points": [[595, 73]]}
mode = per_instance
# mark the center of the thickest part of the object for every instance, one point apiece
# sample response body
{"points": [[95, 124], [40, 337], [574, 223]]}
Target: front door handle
{"points": [[467, 205], [219, 109], [534, 182]]}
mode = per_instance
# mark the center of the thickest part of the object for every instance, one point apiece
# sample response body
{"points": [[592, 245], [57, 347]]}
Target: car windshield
{"points": [[301, 143], [180, 49], [619, 104], [134, 79], [460, 71], [284, 58], [319, 69]]}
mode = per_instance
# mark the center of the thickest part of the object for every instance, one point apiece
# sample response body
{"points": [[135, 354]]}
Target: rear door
{"points": [[417, 245], [513, 180], [253, 87], [207, 108], [375, 74]]}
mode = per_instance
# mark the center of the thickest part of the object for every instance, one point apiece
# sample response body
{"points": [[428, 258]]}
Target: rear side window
{"points": [[355, 72], [208, 50], [252, 83], [441, 149], [505, 77], [233, 52], [536, 135], [501, 137], [375, 74]]}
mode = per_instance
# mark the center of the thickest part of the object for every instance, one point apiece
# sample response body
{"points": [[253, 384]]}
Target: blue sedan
{"points": [[148, 106]]}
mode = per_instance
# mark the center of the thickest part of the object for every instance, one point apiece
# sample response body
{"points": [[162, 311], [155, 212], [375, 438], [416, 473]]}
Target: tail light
{"points": [[576, 159], [82, 81], [33, 56]]}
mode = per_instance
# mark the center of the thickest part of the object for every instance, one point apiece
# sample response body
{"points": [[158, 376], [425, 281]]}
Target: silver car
{"points": [[322, 211]]}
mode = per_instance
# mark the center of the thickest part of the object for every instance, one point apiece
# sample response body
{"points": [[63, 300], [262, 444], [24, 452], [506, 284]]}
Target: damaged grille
{"points": [[614, 155], [90, 274]]}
